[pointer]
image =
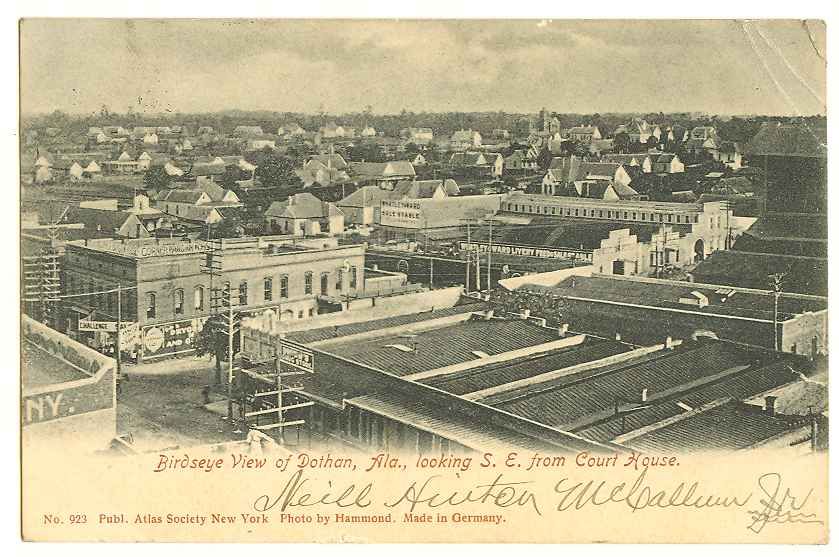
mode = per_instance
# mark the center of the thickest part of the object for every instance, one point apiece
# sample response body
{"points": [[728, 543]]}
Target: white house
{"points": [[150, 139], [303, 214], [465, 139]]}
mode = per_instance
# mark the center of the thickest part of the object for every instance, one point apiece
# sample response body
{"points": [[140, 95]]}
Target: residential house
{"points": [[490, 164], [703, 139], [418, 136], [564, 171], [257, 144], [364, 205], [205, 130], [419, 160], [638, 130], [201, 203], [368, 131], [605, 190], [729, 155], [292, 129], [332, 131], [424, 189], [150, 217], [107, 223], [151, 139], [462, 140], [383, 173], [641, 160], [328, 160], [667, 163], [303, 214], [584, 134], [124, 164]]}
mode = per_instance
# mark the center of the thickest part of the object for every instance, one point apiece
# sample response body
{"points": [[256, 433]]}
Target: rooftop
{"points": [[642, 205], [575, 402], [493, 375], [437, 348], [449, 425], [728, 426], [40, 368], [722, 300], [315, 335]]}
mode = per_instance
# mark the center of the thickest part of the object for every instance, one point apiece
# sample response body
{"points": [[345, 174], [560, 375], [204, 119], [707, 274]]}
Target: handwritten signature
{"points": [[780, 506]]}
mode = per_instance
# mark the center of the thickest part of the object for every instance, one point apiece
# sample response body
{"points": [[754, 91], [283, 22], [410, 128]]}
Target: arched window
{"points": [[151, 305], [199, 298], [178, 299]]}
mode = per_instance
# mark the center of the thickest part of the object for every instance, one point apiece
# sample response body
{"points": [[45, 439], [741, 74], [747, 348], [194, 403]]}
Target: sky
{"points": [[719, 67]]}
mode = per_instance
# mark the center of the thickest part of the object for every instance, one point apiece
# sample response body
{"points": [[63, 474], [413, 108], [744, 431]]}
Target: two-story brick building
{"points": [[167, 292]]}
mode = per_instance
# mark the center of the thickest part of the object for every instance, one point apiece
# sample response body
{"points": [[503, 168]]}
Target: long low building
{"points": [[709, 223], [642, 308], [468, 380]]}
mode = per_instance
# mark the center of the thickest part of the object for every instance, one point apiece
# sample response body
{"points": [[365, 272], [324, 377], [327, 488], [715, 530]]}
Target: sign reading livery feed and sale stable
{"points": [[527, 251]]}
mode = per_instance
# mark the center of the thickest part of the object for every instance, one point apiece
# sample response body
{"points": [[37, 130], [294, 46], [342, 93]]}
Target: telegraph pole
{"points": [[119, 331], [489, 259], [468, 252], [777, 284]]}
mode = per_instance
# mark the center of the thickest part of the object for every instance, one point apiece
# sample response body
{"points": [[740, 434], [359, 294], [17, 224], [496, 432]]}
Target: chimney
{"points": [[525, 313], [644, 395], [563, 329], [617, 336], [668, 343], [769, 407]]}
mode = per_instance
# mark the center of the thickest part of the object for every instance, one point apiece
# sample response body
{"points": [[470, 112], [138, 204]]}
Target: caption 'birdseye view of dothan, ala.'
{"points": [[424, 237]]}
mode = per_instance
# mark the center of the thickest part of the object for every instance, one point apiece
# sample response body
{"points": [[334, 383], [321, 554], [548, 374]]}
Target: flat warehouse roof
{"points": [[437, 348], [40, 368], [493, 375], [666, 294]]}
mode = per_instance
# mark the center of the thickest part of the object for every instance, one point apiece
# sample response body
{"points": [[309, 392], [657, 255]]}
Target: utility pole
{"points": [[119, 331], [777, 285], [468, 252], [489, 259]]}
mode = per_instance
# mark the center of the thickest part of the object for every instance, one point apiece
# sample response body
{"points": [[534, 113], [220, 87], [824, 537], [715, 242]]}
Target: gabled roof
{"points": [[334, 160], [303, 206], [599, 169], [365, 196], [423, 189], [102, 221], [182, 196], [382, 169]]}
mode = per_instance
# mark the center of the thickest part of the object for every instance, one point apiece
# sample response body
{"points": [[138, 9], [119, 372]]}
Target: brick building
{"points": [[168, 295]]}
